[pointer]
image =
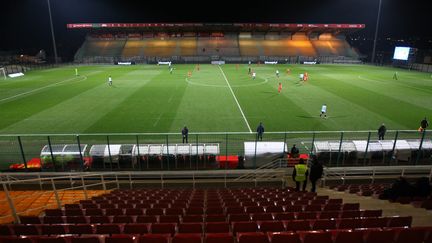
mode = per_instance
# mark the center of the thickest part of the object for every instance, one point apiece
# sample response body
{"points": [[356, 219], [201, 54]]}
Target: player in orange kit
{"points": [[280, 87]]}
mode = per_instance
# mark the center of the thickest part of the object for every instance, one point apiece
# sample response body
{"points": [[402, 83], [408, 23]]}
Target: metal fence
{"points": [[132, 152]]}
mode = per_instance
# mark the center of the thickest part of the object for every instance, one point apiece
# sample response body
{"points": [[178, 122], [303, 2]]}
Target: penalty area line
{"points": [[235, 98]]}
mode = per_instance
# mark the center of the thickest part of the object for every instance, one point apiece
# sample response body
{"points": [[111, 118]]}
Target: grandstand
{"points": [[204, 42], [222, 187]]}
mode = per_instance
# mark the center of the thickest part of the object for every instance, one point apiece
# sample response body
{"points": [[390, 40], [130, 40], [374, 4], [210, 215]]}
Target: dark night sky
{"points": [[26, 24]]}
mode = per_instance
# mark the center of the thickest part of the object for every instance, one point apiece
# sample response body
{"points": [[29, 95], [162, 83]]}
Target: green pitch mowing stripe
{"points": [[147, 98]]}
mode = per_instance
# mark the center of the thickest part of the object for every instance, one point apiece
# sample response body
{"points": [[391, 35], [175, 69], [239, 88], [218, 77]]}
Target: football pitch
{"points": [[147, 98]]}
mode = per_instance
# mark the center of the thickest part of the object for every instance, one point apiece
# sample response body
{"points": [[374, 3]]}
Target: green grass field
{"points": [[147, 98]]}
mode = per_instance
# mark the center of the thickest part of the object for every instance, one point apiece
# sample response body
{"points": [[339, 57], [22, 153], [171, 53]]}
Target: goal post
{"points": [[3, 73]]}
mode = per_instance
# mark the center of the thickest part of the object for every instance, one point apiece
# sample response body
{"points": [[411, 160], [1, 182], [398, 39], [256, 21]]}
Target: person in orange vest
{"points": [[189, 74], [198, 67], [237, 66], [288, 71], [280, 87], [300, 174]]}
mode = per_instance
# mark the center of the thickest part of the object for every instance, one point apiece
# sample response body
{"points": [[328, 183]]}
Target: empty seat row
{"points": [[101, 218], [211, 227], [405, 235], [200, 211]]}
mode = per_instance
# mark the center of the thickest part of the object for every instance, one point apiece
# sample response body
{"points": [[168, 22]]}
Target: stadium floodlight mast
{"points": [[376, 31], [52, 32]]}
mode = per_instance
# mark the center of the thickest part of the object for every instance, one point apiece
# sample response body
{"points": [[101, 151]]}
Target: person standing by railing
{"points": [[316, 171], [185, 133], [260, 131], [381, 132], [423, 125]]}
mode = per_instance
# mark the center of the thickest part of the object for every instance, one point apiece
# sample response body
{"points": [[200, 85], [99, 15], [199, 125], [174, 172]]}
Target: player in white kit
{"points": [[324, 111]]}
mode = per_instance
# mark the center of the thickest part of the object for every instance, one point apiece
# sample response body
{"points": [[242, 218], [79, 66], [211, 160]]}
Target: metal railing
{"points": [[18, 151], [373, 173]]}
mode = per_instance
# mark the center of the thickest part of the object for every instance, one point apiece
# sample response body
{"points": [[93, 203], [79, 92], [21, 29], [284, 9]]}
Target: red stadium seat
{"points": [[76, 219], [53, 212], [53, 220], [235, 210], [378, 236], [255, 237], [169, 219], [187, 238], [372, 213], [349, 237], [93, 212], [219, 238], [154, 238], [30, 220], [349, 223], [351, 206], [137, 228], [146, 219], [190, 228], [192, 218], [274, 209], [306, 215], [174, 211], [214, 210], [85, 239], [74, 212], [375, 222], [411, 235], [284, 237], [284, 216], [99, 220], [47, 239], [194, 210], [216, 218], [14, 239], [22, 229], [254, 209], [350, 214], [271, 226], [328, 214], [122, 219], [163, 228], [314, 237], [47, 229], [108, 229], [113, 211], [297, 225], [120, 239], [400, 221], [154, 211], [262, 216], [134, 211], [239, 217], [81, 229], [324, 224], [217, 227], [244, 227], [5, 230]]}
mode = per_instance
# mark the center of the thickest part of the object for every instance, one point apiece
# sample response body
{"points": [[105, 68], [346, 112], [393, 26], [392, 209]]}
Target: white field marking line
{"points": [[224, 86], [235, 98], [34, 90], [157, 120]]}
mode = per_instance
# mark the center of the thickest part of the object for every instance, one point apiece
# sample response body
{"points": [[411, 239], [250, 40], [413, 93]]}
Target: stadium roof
{"points": [[220, 27]]}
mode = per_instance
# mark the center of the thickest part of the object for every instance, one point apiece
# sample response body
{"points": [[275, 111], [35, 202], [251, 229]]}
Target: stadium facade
{"points": [[205, 42]]}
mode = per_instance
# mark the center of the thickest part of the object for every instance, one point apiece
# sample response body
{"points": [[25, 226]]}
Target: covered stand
{"points": [[175, 156], [260, 153], [378, 151], [63, 157], [104, 156]]}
